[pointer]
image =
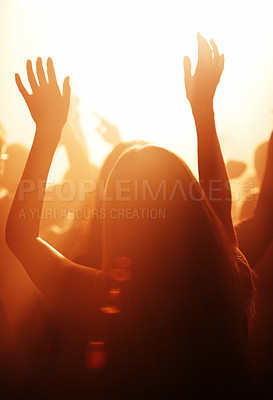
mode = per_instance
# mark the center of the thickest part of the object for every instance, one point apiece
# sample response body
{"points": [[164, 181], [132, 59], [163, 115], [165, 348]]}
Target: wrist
{"points": [[204, 120], [203, 111], [48, 136]]}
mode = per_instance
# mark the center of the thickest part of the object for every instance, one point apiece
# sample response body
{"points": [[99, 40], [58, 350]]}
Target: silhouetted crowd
{"points": [[134, 280]]}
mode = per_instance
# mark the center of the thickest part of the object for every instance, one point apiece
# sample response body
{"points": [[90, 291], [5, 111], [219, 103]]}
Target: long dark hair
{"points": [[184, 301]]}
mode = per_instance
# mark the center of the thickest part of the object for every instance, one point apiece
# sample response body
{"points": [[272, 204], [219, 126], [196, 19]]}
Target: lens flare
{"points": [[95, 355], [120, 274], [123, 262]]}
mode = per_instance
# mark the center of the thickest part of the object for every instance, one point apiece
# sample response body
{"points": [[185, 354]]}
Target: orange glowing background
{"points": [[125, 61]]}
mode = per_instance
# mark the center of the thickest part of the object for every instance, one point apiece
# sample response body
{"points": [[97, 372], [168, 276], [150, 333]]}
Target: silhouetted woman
{"points": [[173, 297]]}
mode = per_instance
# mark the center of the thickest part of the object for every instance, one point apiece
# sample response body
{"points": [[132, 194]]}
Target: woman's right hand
{"points": [[47, 106], [201, 87]]}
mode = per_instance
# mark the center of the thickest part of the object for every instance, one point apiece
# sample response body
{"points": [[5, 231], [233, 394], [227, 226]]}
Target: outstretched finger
{"points": [[40, 72], [21, 87], [51, 72], [66, 92], [187, 69], [187, 75], [215, 49], [221, 63], [204, 50], [31, 76]]}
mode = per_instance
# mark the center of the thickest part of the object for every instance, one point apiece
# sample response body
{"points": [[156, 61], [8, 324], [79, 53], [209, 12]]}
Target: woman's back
{"points": [[183, 309]]}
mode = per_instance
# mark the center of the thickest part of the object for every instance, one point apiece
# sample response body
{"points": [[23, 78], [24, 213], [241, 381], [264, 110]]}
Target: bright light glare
{"points": [[125, 61]]}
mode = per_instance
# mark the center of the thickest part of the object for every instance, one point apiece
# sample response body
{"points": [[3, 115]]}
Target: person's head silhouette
{"points": [[181, 295]]}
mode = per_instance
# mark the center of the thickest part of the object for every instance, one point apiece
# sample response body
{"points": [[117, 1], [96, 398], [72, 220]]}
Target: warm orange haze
{"points": [[125, 61], [136, 200]]}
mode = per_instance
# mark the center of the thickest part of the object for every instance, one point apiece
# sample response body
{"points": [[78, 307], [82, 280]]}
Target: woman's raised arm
{"points": [[64, 282], [200, 90]]}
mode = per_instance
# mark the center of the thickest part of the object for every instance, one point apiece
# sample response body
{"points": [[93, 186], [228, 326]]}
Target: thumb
{"points": [[21, 88]]}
